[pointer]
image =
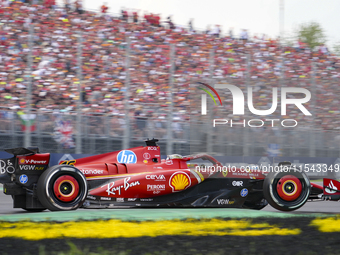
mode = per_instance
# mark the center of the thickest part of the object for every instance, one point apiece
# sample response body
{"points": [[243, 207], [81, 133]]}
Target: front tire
{"points": [[62, 188], [287, 191]]}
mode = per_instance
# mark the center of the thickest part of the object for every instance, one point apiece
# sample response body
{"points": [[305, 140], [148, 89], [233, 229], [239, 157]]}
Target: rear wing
{"points": [[23, 151]]}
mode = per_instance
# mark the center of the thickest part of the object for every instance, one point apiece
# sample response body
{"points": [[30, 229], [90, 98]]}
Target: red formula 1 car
{"points": [[139, 177]]}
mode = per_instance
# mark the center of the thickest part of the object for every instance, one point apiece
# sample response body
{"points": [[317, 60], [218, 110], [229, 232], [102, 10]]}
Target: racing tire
{"points": [[62, 188], [287, 191]]}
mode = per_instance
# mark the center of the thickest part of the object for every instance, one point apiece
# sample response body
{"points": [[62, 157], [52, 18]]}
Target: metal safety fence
{"points": [[100, 133], [56, 132]]}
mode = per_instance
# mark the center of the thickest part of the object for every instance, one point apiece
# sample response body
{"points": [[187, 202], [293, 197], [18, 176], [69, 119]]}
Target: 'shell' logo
{"points": [[179, 181]]}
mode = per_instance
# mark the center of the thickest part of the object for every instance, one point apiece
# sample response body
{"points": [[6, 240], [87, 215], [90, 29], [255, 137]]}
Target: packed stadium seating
{"points": [[54, 70]]}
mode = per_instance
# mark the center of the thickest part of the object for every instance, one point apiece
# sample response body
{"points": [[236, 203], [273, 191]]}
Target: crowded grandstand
{"points": [[256, 61]]}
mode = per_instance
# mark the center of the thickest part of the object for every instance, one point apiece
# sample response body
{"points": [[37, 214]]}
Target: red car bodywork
{"points": [[138, 177]]}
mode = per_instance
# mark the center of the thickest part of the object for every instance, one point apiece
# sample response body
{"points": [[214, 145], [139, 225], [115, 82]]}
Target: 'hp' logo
{"points": [[244, 192], [23, 179], [127, 157]]}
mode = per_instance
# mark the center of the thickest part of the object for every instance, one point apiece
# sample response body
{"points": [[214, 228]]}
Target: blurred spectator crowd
{"points": [[257, 61]]}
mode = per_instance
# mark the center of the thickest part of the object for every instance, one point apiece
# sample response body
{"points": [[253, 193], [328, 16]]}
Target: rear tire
{"points": [[62, 188], [287, 191]]}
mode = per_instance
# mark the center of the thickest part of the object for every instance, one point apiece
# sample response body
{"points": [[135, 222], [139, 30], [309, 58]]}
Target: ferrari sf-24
{"points": [[139, 177]]}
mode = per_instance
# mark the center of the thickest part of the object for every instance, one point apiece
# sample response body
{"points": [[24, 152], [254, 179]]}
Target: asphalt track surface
{"points": [[311, 207]]}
